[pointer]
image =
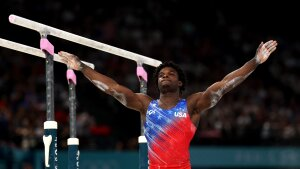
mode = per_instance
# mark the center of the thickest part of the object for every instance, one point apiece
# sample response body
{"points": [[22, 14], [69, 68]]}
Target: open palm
{"points": [[264, 50]]}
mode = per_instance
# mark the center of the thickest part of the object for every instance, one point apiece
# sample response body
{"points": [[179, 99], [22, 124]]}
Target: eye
{"points": [[172, 73]]}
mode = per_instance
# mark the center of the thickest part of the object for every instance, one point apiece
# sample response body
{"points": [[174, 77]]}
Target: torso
{"points": [[168, 133]]}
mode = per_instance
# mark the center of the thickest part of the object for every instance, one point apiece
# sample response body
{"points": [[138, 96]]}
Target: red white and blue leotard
{"points": [[169, 133]]}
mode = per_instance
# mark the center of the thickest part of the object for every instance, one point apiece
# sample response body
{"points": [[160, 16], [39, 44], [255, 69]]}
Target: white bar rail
{"points": [[48, 30], [32, 51]]}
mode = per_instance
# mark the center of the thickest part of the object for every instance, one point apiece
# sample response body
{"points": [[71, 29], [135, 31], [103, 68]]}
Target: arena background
{"points": [[207, 38]]}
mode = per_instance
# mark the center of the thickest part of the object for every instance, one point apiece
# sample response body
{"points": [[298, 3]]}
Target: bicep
{"points": [[121, 93], [128, 98], [202, 101], [211, 96]]}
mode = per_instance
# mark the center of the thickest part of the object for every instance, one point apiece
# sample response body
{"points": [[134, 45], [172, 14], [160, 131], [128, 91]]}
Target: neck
{"points": [[169, 96], [168, 100]]}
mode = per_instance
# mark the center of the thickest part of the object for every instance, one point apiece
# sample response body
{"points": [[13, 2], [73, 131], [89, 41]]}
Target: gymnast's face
{"points": [[168, 80]]}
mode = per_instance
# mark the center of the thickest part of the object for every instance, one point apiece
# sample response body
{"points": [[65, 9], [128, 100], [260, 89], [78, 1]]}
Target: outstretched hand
{"points": [[264, 50], [70, 60]]}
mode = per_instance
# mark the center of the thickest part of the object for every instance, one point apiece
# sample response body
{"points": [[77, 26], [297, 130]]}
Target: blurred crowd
{"points": [[204, 40]]}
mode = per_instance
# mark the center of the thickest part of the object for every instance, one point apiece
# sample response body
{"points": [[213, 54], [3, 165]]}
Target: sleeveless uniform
{"points": [[169, 133]]}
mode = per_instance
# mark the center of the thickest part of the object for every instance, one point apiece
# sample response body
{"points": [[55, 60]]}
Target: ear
{"points": [[179, 83]]}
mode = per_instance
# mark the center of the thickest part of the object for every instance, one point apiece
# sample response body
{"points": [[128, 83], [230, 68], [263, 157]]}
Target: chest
{"points": [[160, 117], [172, 123]]}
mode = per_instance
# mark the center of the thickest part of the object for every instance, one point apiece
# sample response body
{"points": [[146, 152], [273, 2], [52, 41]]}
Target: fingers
{"points": [[260, 45], [66, 56], [62, 53], [268, 47], [272, 49], [270, 44], [267, 44], [63, 57], [70, 60], [65, 61]]}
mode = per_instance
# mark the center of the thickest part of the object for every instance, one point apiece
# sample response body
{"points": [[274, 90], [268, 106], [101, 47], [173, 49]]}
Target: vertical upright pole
{"points": [[50, 126], [143, 149], [73, 142]]}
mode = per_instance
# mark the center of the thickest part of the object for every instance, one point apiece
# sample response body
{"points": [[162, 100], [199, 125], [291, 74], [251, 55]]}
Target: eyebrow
{"points": [[171, 71]]}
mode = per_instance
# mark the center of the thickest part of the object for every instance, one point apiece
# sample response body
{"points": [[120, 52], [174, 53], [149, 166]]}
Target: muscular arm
{"points": [[127, 97], [204, 100], [214, 93]]}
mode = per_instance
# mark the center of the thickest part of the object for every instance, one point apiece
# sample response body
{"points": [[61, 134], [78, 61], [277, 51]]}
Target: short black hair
{"points": [[181, 75]]}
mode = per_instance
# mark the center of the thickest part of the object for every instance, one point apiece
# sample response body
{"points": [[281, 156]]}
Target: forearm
{"points": [[244, 71], [233, 79], [101, 81], [214, 93], [111, 87]]}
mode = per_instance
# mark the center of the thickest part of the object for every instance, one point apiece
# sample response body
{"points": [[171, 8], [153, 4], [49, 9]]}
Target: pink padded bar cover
{"points": [[47, 46], [71, 76], [140, 72]]}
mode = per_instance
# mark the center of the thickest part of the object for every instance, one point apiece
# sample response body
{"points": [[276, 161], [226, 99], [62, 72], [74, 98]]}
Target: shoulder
{"points": [[145, 99], [144, 96], [195, 101], [193, 98]]}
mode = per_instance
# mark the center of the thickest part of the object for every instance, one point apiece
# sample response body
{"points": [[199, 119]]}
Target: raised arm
{"points": [[127, 97], [210, 97]]}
